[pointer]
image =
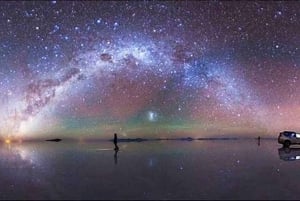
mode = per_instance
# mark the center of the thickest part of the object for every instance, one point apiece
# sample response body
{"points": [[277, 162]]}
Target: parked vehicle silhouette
{"points": [[288, 138]]}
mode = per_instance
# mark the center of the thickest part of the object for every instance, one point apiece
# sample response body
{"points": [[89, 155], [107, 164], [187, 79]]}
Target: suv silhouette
{"points": [[288, 138]]}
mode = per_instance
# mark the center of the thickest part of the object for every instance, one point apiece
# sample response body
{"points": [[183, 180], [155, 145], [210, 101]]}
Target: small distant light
{"points": [[7, 141], [152, 116], [99, 21]]}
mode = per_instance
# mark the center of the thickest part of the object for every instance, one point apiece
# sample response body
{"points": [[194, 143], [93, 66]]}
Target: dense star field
{"points": [[149, 68]]}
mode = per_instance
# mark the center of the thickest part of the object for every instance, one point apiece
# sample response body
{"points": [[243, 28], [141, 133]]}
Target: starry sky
{"points": [[87, 69]]}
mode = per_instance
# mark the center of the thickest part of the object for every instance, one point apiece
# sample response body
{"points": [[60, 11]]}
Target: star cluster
{"points": [[148, 68]]}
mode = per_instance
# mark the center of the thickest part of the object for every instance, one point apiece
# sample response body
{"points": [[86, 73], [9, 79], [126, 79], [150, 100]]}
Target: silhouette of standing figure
{"points": [[116, 142], [258, 140]]}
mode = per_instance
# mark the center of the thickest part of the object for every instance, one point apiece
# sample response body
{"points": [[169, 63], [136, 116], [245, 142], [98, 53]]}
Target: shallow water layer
{"points": [[208, 169]]}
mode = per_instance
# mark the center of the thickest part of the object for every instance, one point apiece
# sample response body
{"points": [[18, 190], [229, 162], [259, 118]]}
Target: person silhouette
{"points": [[116, 142], [258, 143]]}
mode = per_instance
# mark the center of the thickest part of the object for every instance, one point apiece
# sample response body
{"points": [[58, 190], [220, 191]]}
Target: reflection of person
{"points": [[116, 156], [116, 142]]}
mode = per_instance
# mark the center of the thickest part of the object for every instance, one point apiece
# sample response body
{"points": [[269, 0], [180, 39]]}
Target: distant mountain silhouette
{"points": [[218, 138], [175, 139], [54, 140], [186, 139], [131, 140]]}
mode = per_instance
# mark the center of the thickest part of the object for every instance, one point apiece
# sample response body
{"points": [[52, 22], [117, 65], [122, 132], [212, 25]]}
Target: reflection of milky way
{"points": [[149, 66], [18, 165]]}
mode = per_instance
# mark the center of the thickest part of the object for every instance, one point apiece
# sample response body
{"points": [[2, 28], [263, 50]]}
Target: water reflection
{"points": [[20, 155], [150, 170], [289, 154], [19, 166], [116, 156]]}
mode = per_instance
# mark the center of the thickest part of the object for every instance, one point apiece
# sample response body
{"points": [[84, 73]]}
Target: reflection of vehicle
{"points": [[289, 137], [289, 154]]}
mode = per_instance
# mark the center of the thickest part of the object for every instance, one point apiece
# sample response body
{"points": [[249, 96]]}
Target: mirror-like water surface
{"points": [[237, 169]]}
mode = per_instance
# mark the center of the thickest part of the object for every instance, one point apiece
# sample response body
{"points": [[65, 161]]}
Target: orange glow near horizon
{"points": [[7, 141]]}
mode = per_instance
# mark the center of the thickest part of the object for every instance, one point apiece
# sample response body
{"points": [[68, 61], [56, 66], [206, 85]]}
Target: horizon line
{"points": [[138, 139]]}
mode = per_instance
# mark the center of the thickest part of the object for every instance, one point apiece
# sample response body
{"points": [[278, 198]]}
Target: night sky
{"points": [[87, 69]]}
